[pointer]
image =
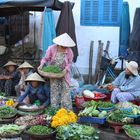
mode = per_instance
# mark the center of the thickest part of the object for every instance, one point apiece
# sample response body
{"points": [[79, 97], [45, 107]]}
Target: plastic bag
{"points": [[75, 74]]}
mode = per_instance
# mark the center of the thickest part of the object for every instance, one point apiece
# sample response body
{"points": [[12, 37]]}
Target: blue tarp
{"points": [[48, 30], [124, 30]]}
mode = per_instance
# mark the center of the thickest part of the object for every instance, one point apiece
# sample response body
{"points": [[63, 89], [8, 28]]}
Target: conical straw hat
{"points": [[25, 65], [10, 63], [64, 40], [34, 77]]}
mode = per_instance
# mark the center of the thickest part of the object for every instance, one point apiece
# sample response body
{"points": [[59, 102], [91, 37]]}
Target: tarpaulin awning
{"points": [[11, 7]]}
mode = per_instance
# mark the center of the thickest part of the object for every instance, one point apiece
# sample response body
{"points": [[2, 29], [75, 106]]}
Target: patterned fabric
{"points": [[60, 95], [118, 96]]}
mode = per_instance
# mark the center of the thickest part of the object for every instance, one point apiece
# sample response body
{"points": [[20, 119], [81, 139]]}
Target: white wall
{"points": [[87, 33]]}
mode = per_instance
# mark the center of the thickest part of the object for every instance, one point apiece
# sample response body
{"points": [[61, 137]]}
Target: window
{"points": [[101, 12]]}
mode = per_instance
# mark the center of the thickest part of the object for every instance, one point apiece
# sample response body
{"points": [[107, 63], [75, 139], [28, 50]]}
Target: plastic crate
{"points": [[92, 120]]}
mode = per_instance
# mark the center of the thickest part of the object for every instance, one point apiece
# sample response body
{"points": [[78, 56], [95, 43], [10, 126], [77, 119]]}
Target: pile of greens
{"points": [[105, 104], [50, 111], [77, 132], [52, 69], [99, 104], [119, 116], [10, 130], [40, 130], [134, 132], [7, 112]]}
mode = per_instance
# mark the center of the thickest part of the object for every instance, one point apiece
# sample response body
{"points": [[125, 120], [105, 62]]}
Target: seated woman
{"points": [[9, 79], [25, 70], [36, 90]]}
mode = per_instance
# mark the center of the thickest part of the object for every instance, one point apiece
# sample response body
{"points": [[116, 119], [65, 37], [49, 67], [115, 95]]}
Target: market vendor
{"points": [[60, 55], [37, 90], [9, 78], [25, 70], [126, 86]]}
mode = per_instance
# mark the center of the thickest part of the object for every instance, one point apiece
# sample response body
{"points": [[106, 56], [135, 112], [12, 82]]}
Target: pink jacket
{"points": [[50, 57]]}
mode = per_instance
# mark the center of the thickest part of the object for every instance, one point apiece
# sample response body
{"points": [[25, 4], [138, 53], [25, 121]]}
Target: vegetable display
{"points": [[10, 130], [105, 105], [76, 132], [7, 112], [132, 131], [40, 130], [51, 69], [119, 116], [50, 111], [63, 117], [99, 104], [92, 112]]}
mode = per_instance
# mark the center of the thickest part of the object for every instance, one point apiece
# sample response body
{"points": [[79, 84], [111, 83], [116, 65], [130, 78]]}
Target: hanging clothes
{"points": [[134, 40], [66, 24], [48, 30], [124, 30]]}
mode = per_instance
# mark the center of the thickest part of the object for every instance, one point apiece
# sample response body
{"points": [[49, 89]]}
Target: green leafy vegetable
{"points": [[76, 132], [134, 132], [50, 111], [10, 130], [40, 130], [52, 69], [6, 112]]}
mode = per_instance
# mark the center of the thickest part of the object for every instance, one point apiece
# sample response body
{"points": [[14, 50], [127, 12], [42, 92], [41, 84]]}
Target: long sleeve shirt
{"points": [[42, 93], [131, 85], [50, 57]]}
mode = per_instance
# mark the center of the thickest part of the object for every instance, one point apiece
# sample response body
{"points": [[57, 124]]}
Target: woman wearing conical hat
{"points": [[25, 70], [37, 91], [9, 79], [60, 55]]}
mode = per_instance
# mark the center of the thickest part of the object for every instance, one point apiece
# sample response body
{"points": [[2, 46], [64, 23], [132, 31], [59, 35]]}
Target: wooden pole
{"points": [[99, 55], [90, 63]]}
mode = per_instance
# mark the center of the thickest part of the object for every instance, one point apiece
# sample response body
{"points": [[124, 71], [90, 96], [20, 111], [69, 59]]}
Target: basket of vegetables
{"points": [[11, 131], [77, 132], [132, 131], [38, 132], [107, 106], [91, 115], [117, 119], [52, 71], [7, 112], [88, 95]]}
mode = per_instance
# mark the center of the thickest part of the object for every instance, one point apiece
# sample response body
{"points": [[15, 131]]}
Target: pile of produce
{"points": [[132, 131], [52, 69], [99, 104], [125, 105], [7, 112], [105, 105], [119, 116], [10, 102], [40, 130], [76, 132], [63, 117], [50, 111], [10, 130], [92, 112]]}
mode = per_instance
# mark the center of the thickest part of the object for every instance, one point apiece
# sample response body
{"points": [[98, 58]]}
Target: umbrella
{"points": [[66, 24]]}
